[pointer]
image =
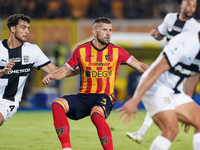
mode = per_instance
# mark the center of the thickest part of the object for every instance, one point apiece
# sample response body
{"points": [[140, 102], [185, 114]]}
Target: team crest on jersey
{"points": [[59, 131], [104, 140], [107, 57], [26, 59]]}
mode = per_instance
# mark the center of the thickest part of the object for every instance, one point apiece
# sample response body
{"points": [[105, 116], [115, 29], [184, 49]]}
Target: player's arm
{"points": [[7, 68], [141, 67], [190, 84], [51, 68], [130, 107], [57, 75], [156, 35]]}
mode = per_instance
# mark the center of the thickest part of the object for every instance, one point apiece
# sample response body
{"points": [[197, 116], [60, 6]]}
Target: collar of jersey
{"points": [[97, 48], [5, 44]]}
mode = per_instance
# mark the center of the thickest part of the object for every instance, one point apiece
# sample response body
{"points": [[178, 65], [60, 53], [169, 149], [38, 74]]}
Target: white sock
{"points": [[67, 149], [146, 124], [160, 143], [196, 141]]}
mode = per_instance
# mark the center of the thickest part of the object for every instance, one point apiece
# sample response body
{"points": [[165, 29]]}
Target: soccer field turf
{"points": [[34, 130]]}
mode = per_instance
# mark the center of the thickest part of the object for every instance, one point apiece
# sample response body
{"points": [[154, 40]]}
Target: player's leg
{"points": [[99, 112], [162, 110], [168, 123], [59, 109], [189, 113], [139, 135], [7, 110], [1, 119], [104, 133]]}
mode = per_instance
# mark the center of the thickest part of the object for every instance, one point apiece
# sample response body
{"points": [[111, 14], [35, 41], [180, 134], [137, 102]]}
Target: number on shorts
{"points": [[12, 107], [103, 101]]}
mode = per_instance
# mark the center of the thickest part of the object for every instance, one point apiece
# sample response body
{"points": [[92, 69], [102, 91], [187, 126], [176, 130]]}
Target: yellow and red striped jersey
{"points": [[98, 66]]}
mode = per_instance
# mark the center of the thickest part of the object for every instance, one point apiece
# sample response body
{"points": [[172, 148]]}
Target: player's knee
{"points": [[58, 105], [96, 112], [171, 130], [174, 130]]}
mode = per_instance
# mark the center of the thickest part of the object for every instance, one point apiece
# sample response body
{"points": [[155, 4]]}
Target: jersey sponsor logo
{"points": [[107, 57], [178, 29], [184, 71], [98, 74], [19, 71], [98, 64], [17, 59], [26, 58]]}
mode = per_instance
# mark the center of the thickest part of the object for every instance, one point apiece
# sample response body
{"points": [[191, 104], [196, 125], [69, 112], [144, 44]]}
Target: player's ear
{"points": [[182, 5], [94, 31], [12, 29]]}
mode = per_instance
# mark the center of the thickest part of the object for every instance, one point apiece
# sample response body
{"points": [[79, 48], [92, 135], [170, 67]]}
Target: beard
{"points": [[186, 16], [102, 41]]}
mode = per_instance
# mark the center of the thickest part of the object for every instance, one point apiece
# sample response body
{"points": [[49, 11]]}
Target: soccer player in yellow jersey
{"points": [[98, 61]]}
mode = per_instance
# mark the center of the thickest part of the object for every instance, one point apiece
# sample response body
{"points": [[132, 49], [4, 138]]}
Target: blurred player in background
{"points": [[160, 89], [17, 59], [173, 24], [98, 61]]}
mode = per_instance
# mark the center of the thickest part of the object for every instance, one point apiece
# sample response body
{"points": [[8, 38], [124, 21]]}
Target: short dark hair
{"points": [[102, 20], [13, 20], [185, 1]]}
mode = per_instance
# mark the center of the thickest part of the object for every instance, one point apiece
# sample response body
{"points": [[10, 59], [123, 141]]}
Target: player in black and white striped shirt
{"points": [[17, 57], [173, 24], [178, 62]]}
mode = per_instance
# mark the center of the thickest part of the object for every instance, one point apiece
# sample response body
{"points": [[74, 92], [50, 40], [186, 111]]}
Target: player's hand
{"points": [[129, 108], [47, 79], [187, 127], [8, 66], [153, 33]]}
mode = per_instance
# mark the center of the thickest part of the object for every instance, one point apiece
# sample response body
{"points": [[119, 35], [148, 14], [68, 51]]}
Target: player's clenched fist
{"points": [[8, 67]]}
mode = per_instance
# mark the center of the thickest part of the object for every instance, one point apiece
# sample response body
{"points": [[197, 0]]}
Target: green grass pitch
{"points": [[34, 130]]}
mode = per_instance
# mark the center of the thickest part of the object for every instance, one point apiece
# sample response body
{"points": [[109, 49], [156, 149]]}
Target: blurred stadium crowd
{"points": [[84, 9]]}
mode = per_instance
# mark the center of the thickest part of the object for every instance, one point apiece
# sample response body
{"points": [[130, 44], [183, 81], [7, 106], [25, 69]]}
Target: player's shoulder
{"points": [[194, 22], [84, 45], [114, 46], [30, 45], [1, 42], [171, 15], [2, 47], [189, 39]]}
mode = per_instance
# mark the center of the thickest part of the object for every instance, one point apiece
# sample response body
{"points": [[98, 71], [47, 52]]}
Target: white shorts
{"points": [[155, 103], [8, 108]]}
